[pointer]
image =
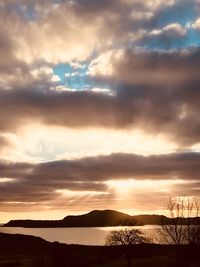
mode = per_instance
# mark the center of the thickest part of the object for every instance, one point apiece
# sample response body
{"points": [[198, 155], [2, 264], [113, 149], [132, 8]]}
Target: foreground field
{"points": [[28, 251]]}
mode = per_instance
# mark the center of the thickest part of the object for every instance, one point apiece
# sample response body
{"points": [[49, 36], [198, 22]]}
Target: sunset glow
{"points": [[99, 105]]}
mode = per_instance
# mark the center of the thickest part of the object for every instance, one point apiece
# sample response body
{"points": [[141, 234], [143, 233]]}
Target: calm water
{"points": [[83, 236]]}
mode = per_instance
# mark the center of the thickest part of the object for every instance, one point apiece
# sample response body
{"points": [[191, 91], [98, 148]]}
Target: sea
{"points": [[81, 236]]}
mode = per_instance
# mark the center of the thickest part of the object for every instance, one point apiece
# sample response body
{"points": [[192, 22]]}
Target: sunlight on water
{"points": [[82, 236]]}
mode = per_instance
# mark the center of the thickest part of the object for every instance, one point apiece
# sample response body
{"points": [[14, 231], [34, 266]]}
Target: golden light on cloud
{"points": [[69, 193], [36, 142], [131, 186], [6, 180], [90, 111]]}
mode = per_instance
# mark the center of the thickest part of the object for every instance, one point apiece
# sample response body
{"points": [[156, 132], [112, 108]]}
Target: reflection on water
{"points": [[83, 236]]}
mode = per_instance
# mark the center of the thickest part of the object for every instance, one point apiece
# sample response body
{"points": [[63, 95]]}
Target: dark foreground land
{"points": [[29, 251]]}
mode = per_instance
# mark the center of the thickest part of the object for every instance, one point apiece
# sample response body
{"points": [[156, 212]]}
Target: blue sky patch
{"points": [[182, 12], [164, 42], [74, 76], [26, 12]]}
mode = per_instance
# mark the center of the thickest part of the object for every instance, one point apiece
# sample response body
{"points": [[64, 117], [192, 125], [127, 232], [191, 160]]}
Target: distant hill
{"points": [[149, 219], [100, 218], [95, 218]]}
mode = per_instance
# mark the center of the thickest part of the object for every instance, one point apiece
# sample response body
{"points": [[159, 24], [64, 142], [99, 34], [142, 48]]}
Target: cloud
{"points": [[174, 29], [32, 31], [103, 168], [37, 29], [119, 166], [175, 11], [147, 94], [171, 30], [196, 24], [139, 67], [171, 36], [141, 62], [129, 108], [52, 182], [162, 98], [64, 25], [4, 143], [37, 142]]}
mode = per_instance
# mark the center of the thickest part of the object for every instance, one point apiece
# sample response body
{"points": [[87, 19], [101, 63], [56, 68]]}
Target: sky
{"points": [[99, 106]]}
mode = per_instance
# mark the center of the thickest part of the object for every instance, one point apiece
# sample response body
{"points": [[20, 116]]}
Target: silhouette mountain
{"points": [[100, 218], [95, 218]]}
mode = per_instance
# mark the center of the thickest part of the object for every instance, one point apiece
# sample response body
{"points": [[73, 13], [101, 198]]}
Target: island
{"points": [[95, 218]]}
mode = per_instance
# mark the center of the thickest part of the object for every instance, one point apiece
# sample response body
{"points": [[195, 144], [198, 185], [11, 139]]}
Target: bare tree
{"points": [[192, 213], [126, 238], [171, 230], [182, 226]]}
